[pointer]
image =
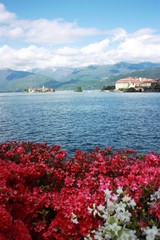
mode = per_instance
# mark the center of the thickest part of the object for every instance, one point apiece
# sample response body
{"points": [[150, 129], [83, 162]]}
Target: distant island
{"points": [[40, 90], [79, 89]]}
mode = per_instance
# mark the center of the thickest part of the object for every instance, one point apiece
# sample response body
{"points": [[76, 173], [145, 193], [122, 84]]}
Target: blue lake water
{"points": [[82, 120]]}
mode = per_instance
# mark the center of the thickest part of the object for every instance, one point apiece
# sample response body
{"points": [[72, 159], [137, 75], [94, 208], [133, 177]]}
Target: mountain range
{"points": [[63, 78]]}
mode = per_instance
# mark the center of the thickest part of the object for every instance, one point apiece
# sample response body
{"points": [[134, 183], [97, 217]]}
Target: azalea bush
{"points": [[102, 194]]}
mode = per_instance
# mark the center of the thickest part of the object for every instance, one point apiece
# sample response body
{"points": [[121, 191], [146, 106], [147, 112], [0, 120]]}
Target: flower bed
{"points": [[98, 195]]}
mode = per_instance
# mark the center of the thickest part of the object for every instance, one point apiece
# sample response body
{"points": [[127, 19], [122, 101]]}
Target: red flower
{"points": [[21, 231], [40, 193], [5, 220]]}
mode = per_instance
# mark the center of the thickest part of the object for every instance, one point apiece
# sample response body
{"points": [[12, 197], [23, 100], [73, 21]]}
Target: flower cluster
{"points": [[45, 195], [116, 217]]}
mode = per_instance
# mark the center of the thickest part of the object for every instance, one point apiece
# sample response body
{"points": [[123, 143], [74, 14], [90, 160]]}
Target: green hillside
{"points": [[149, 73], [11, 80], [89, 78], [92, 83], [95, 77]]}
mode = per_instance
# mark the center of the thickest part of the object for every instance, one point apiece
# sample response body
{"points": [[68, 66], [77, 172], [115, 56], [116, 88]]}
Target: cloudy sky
{"points": [[75, 33]]}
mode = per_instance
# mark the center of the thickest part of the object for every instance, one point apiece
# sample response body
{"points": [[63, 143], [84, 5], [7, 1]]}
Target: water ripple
{"points": [[82, 120]]}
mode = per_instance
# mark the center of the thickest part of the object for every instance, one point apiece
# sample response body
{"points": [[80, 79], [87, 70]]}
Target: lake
{"points": [[82, 120]]}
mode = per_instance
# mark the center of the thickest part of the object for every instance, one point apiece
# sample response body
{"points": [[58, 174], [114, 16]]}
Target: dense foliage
{"points": [[98, 195], [109, 88], [79, 89]]}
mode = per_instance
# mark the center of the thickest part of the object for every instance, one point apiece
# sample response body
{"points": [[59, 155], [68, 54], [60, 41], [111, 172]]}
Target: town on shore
{"points": [[40, 90], [129, 84], [135, 84]]}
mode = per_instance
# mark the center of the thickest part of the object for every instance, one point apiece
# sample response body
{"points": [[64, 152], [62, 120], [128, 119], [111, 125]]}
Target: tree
{"points": [[79, 89]]}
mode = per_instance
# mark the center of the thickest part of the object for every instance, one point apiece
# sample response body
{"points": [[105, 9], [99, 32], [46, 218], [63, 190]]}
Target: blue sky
{"points": [[75, 33], [128, 14]]}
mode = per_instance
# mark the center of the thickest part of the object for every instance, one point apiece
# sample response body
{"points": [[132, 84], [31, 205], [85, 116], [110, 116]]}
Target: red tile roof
{"points": [[136, 80]]}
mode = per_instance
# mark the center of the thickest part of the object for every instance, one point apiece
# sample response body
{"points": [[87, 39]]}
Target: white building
{"points": [[43, 90], [137, 83]]}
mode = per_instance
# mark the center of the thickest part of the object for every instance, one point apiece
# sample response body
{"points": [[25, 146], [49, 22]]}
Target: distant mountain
{"points": [[64, 74], [94, 76], [91, 77], [136, 66], [148, 73], [11, 80]]}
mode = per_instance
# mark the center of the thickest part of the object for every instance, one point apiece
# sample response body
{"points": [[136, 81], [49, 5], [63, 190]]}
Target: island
{"points": [[79, 89], [40, 90]]}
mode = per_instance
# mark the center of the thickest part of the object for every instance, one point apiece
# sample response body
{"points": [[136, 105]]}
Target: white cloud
{"points": [[143, 45], [7, 32], [55, 32], [41, 31], [118, 34], [43, 38], [96, 48], [68, 51], [5, 16]]}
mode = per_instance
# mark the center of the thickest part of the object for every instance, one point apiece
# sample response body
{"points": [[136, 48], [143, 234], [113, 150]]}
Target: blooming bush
{"points": [[45, 195]]}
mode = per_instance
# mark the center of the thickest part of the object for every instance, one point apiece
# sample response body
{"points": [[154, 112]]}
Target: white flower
{"points": [[153, 197], [74, 218], [116, 217], [110, 206], [105, 215], [151, 233], [107, 194], [108, 235], [87, 238], [132, 203], [101, 208], [115, 228], [127, 235], [114, 198], [126, 199], [120, 207], [119, 190], [93, 210], [98, 236], [90, 210], [156, 195], [124, 216]]}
